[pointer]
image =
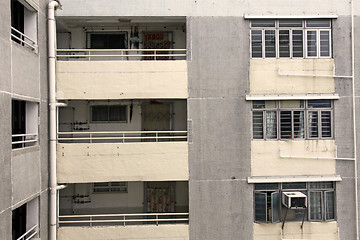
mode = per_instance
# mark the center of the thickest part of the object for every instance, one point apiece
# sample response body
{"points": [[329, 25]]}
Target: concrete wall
{"points": [[219, 155], [265, 76], [345, 190], [205, 8], [107, 162], [121, 79], [23, 76], [25, 173], [169, 232]]}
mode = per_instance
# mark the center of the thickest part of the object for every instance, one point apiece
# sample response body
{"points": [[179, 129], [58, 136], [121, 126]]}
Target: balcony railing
{"points": [[29, 234], [124, 219], [121, 137], [24, 140], [23, 40], [120, 54]]}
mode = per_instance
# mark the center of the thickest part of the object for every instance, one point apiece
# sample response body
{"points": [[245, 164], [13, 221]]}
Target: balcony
{"points": [[136, 57], [135, 210], [134, 140]]}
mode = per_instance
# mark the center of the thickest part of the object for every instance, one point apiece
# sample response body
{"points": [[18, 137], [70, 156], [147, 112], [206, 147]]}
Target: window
{"points": [[106, 40], [291, 38], [295, 119], [24, 24], [322, 196], [269, 209], [109, 187], [108, 113], [24, 123], [267, 203], [25, 220]]}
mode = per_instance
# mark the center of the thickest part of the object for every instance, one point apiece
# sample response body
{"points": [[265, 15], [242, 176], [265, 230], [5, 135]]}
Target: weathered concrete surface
{"points": [[219, 155], [345, 195], [21, 78], [205, 8], [5, 154]]}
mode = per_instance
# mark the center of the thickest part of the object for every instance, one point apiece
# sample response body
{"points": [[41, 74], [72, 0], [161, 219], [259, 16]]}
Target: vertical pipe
{"points": [[52, 119], [354, 119]]}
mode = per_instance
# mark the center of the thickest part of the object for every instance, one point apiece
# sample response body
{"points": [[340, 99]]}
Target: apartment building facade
{"points": [[23, 120], [194, 120], [265, 89]]}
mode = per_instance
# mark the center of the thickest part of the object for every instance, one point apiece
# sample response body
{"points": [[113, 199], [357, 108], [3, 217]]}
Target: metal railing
{"points": [[23, 40], [124, 219], [29, 234], [120, 54], [122, 136], [23, 140]]}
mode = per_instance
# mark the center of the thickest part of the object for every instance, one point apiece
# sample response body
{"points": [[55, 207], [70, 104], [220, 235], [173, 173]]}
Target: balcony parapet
{"points": [[123, 219], [120, 54], [121, 136]]}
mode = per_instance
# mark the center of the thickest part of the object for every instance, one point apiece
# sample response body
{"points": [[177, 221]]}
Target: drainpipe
{"points": [[354, 118], [52, 119]]}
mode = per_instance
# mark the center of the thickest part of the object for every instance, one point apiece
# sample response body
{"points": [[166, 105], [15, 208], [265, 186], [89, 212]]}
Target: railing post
{"points": [[90, 221], [124, 221], [156, 136], [90, 137], [123, 137]]}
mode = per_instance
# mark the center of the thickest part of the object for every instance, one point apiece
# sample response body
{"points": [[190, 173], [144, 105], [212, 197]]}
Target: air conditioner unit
{"points": [[294, 200]]}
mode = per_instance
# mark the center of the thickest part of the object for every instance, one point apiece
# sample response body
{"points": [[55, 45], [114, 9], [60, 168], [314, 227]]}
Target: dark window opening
{"points": [[17, 20], [108, 41], [18, 222], [18, 121]]}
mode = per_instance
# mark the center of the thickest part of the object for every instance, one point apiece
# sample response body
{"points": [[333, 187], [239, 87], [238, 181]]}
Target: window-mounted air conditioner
{"points": [[294, 200]]}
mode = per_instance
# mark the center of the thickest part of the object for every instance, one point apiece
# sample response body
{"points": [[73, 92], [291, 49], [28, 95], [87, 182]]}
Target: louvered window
{"points": [[291, 38], [299, 119]]}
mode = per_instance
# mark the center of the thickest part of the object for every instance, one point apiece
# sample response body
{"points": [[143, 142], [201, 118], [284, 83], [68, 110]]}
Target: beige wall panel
{"points": [[168, 232], [266, 161], [265, 78], [292, 230], [106, 162], [121, 79]]}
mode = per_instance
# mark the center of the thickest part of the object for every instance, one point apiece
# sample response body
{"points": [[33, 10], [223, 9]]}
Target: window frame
{"points": [[111, 188], [24, 122], [108, 106], [266, 192], [307, 191], [89, 35], [304, 28], [306, 122], [24, 33]]}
